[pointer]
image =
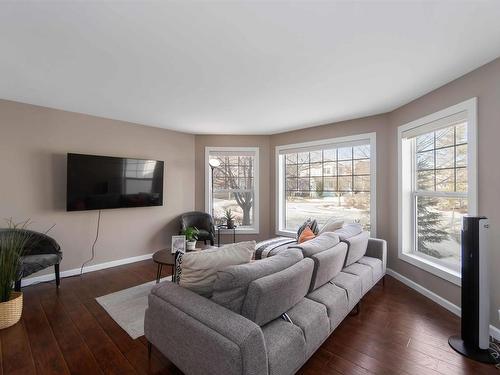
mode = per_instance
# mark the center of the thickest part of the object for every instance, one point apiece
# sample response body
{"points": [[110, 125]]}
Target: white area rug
{"points": [[127, 307]]}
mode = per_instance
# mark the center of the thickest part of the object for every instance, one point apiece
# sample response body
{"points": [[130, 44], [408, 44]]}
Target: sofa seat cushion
{"points": [[286, 347], [376, 266], [364, 272], [311, 317], [37, 262], [199, 268], [270, 296], [352, 285], [335, 300], [231, 284], [321, 243], [356, 247], [327, 265]]}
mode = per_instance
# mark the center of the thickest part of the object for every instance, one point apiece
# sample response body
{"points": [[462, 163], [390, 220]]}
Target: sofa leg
{"points": [[150, 347], [356, 309], [383, 281], [58, 278], [17, 285]]}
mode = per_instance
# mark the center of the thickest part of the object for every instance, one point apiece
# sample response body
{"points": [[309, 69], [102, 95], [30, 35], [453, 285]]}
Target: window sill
{"points": [[238, 230], [432, 267]]}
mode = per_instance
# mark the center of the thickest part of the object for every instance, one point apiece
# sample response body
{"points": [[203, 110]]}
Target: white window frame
{"points": [[254, 229], [280, 208], [406, 221]]}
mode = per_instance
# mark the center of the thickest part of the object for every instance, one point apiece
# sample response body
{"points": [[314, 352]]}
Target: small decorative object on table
{"points": [[178, 244], [191, 234], [228, 214], [12, 245]]}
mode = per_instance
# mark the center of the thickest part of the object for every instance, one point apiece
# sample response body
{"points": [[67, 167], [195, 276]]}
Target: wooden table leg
{"points": [[158, 273]]}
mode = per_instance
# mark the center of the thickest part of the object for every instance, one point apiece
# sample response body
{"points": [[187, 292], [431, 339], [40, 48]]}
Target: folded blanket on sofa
{"points": [[273, 246]]}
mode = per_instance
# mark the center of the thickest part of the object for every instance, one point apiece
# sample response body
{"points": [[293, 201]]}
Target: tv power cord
{"points": [[93, 245]]}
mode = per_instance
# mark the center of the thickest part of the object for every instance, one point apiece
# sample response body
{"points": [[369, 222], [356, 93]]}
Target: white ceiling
{"points": [[239, 67]]}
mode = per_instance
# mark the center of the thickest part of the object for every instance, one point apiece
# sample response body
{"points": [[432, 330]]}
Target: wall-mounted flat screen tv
{"points": [[100, 182]]}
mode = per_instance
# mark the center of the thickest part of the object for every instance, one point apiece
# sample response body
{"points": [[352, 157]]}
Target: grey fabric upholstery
{"points": [[357, 247], [34, 263], [376, 266], [348, 231], [285, 345], [335, 300], [327, 265], [364, 272], [377, 248], [311, 317], [270, 296], [232, 282], [201, 337], [318, 244], [352, 285]]}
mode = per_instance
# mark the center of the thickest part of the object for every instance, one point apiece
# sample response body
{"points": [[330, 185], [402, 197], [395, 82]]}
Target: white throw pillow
{"points": [[331, 225], [199, 268]]}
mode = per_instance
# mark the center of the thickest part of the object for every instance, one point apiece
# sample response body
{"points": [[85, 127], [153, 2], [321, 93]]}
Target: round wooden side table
{"points": [[162, 258]]}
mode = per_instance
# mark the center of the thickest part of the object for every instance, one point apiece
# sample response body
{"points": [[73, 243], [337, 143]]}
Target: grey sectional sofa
{"points": [[268, 316]]}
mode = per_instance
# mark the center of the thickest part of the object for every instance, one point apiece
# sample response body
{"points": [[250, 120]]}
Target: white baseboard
{"points": [[91, 268], [494, 331]]}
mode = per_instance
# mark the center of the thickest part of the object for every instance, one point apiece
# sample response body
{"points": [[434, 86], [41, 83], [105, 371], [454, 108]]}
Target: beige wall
{"points": [[483, 83], [262, 142], [33, 146]]}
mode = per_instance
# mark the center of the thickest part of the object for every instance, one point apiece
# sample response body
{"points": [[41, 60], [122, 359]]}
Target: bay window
{"points": [[437, 187], [324, 179]]}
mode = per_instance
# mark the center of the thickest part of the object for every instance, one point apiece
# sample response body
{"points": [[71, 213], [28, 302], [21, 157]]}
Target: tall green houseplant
{"points": [[12, 243]]}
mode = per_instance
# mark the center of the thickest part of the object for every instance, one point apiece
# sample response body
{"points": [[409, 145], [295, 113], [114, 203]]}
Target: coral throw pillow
{"points": [[307, 234]]}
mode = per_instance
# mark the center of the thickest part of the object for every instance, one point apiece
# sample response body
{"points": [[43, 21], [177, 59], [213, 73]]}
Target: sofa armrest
{"points": [[377, 248], [202, 337]]}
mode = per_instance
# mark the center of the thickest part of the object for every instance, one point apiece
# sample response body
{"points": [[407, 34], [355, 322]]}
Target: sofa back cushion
{"points": [[348, 231], [327, 265], [356, 247], [321, 243], [271, 296], [331, 225], [231, 284], [199, 268]]}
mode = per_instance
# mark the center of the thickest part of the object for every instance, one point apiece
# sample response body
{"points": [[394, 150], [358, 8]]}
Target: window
{"points": [[330, 178], [437, 187], [233, 185]]}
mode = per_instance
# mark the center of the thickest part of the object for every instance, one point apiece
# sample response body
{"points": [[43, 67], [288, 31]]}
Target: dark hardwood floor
{"points": [[397, 331]]}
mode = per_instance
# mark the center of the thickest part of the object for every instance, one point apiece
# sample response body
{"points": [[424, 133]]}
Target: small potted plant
{"points": [[229, 218], [191, 234], [12, 244]]}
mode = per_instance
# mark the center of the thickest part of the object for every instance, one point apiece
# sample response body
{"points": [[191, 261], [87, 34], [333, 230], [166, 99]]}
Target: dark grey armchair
{"points": [[40, 252], [203, 222]]}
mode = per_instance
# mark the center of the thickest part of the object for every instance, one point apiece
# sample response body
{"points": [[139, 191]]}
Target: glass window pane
{"points": [[445, 137], [345, 167], [330, 183], [316, 156], [227, 200], [461, 133], [361, 183], [350, 207], [316, 184], [445, 157], [316, 169], [246, 183], [425, 180], [425, 160], [291, 184], [445, 180], [291, 170], [425, 142], [303, 170], [462, 180], [361, 152], [330, 155], [345, 183], [361, 166], [329, 169], [303, 157], [232, 160], [439, 223], [461, 152], [345, 153], [291, 158], [303, 183]]}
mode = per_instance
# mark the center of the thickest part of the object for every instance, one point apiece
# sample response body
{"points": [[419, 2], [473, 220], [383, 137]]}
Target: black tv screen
{"points": [[99, 182]]}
